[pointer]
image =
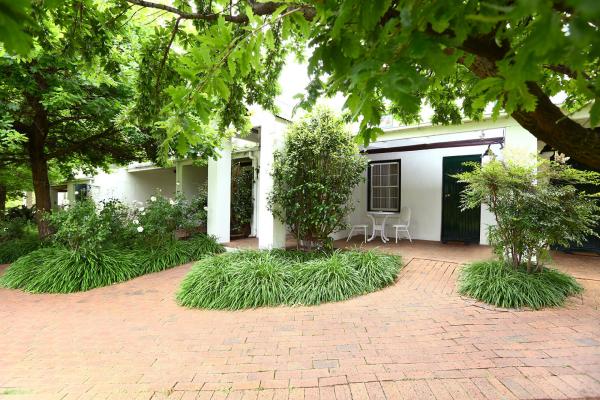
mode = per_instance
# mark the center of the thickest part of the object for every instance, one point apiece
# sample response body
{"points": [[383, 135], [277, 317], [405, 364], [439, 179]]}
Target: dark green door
{"points": [[457, 225], [592, 243]]}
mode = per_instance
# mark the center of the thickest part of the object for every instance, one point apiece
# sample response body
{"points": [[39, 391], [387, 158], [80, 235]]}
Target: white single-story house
{"points": [[409, 166]]}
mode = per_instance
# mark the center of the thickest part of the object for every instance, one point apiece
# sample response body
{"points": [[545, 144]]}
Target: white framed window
{"points": [[384, 186]]}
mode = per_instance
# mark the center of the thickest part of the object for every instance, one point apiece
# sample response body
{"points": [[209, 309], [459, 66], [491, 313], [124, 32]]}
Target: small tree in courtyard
{"points": [[314, 175], [536, 206]]}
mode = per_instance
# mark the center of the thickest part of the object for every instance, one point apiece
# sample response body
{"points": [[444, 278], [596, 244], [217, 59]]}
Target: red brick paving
{"points": [[414, 340]]}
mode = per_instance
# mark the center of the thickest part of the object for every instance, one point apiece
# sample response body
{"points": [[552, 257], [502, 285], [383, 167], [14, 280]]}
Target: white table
{"points": [[383, 215]]}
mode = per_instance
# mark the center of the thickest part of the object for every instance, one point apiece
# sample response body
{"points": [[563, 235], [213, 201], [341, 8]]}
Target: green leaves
{"points": [[14, 19], [535, 206], [314, 176]]}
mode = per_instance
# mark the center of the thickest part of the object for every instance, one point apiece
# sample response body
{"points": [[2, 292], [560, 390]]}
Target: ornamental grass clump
{"points": [[204, 285], [497, 283], [177, 252], [262, 280], [249, 279], [327, 279], [61, 270], [376, 270]]}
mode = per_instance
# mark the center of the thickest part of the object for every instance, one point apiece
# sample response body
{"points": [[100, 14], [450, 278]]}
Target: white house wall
{"points": [[130, 186], [193, 178], [421, 176]]}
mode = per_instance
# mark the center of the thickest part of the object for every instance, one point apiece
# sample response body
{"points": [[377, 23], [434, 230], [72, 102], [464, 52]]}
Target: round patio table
{"points": [[382, 216]]}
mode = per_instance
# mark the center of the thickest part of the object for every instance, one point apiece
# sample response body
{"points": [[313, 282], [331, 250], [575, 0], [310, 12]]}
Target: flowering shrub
{"points": [[87, 225], [95, 245], [158, 219]]}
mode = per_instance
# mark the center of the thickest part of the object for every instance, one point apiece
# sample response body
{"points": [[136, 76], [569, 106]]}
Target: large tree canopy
{"points": [[391, 56], [62, 101]]}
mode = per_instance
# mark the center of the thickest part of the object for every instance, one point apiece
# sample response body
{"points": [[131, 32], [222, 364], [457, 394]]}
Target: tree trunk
{"points": [[37, 134], [41, 187], [3, 193]]}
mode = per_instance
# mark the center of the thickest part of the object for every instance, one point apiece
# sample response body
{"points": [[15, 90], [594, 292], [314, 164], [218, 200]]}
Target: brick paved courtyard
{"points": [[416, 339]]}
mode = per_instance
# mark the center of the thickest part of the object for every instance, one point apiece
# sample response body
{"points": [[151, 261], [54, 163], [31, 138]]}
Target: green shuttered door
{"points": [[457, 225]]}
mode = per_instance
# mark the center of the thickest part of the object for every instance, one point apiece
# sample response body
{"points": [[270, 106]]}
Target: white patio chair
{"points": [[402, 227], [364, 227]]}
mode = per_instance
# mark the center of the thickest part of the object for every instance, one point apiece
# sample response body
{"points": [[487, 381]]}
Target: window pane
{"points": [[385, 186]]}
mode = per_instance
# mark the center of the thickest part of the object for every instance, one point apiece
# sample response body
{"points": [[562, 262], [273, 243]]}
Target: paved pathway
{"points": [[416, 339]]}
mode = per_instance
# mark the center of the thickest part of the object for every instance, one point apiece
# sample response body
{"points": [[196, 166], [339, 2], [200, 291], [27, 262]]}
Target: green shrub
{"points": [[313, 178], [11, 250], [159, 218], [536, 206], [497, 283], [248, 279], [90, 226], [177, 252], [18, 236], [16, 228], [242, 179], [61, 270]]}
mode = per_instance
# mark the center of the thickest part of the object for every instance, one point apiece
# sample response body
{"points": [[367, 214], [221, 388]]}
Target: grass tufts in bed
{"points": [[496, 283], [60, 270], [249, 279]]}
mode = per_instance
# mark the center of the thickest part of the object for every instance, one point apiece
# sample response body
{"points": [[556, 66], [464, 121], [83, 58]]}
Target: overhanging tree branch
{"points": [[267, 8], [564, 70], [166, 54]]}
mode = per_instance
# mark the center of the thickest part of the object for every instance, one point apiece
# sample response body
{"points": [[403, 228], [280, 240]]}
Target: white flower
{"points": [[141, 208], [153, 198], [144, 213], [171, 202], [205, 208], [140, 229], [77, 192], [136, 222]]}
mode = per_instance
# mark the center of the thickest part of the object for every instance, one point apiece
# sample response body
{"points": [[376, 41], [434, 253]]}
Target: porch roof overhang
{"points": [[461, 139]]}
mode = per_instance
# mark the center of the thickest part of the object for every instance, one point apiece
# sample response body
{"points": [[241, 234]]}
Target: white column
{"points": [[53, 198], [71, 192], [178, 177], [270, 231], [219, 194]]}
